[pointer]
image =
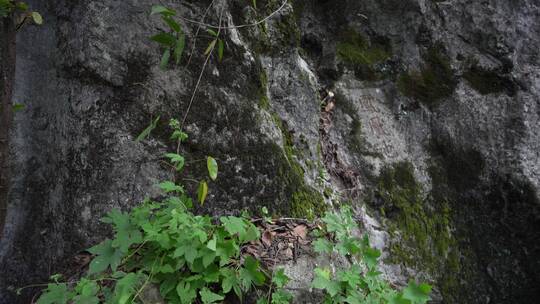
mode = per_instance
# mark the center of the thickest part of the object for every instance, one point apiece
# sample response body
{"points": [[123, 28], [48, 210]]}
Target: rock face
{"points": [[432, 133]]}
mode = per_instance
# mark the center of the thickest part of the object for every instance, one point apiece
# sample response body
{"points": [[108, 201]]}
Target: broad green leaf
{"points": [[106, 255], [230, 279], [160, 9], [165, 59], [370, 256], [322, 245], [220, 49], [191, 254], [212, 32], [212, 166], [210, 47], [233, 225], [417, 293], [165, 39], [179, 48], [146, 132], [55, 294], [127, 234], [172, 24], [251, 273], [280, 279], [202, 191], [281, 297], [37, 18], [212, 244], [186, 293], [208, 296], [322, 281]]}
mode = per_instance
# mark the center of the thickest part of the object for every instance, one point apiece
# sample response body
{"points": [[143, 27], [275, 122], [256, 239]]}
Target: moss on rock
{"points": [[421, 228], [431, 84], [362, 54]]}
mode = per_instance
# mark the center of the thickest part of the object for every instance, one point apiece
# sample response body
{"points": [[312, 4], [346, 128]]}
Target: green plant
{"points": [[173, 41], [189, 257], [9, 6], [360, 281]]}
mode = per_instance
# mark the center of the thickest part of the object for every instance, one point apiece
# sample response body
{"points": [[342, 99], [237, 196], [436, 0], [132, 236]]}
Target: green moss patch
{"points": [[431, 84], [424, 225], [361, 54]]}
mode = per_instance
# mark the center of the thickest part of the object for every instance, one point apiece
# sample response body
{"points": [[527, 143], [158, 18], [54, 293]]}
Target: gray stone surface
{"points": [[466, 121]]}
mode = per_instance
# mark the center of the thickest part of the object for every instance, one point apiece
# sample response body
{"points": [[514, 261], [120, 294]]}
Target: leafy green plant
{"points": [[189, 257], [174, 40], [360, 281], [9, 6]]}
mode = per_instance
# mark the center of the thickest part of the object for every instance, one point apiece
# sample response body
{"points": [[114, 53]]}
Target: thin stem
{"points": [[236, 26], [197, 32]]}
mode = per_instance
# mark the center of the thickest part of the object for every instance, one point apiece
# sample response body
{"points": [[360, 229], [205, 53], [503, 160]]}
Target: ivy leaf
{"points": [[125, 288], [322, 281], [202, 191], [221, 48], [322, 245], [37, 18], [127, 234], [185, 292], [160, 9], [233, 225], [55, 294], [280, 278], [230, 279], [208, 296], [165, 39], [370, 256], [107, 255], [165, 59], [417, 294], [146, 132], [212, 166], [250, 273]]}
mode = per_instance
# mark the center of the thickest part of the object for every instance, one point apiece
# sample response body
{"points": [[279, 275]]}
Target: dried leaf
{"points": [[300, 231], [267, 238]]}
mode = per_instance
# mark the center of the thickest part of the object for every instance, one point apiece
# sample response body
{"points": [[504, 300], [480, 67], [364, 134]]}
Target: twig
{"points": [[197, 32], [200, 76], [236, 26]]}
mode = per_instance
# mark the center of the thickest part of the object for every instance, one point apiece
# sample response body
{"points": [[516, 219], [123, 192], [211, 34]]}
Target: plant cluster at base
{"points": [[358, 280]]}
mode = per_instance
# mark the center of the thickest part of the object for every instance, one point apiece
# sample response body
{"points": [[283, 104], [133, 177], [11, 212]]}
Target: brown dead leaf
{"points": [[267, 238], [300, 231]]}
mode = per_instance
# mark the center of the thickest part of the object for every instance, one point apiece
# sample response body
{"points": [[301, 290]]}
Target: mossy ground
{"points": [[434, 82]]}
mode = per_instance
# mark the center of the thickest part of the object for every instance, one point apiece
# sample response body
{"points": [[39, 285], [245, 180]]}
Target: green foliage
{"points": [[9, 6], [188, 256], [174, 41], [360, 281]]}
